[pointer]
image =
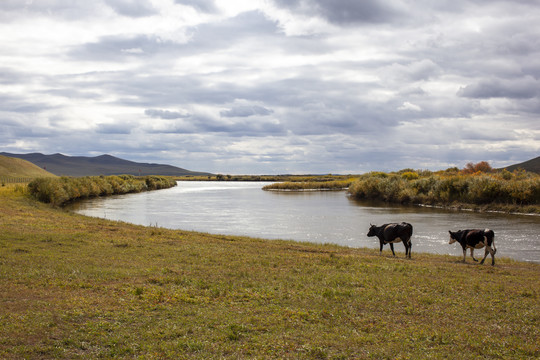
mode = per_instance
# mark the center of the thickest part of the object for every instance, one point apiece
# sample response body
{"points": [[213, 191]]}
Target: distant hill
{"points": [[59, 164], [15, 167], [532, 165]]}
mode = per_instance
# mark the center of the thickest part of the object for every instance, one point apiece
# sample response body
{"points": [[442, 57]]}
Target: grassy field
{"points": [[73, 287]]}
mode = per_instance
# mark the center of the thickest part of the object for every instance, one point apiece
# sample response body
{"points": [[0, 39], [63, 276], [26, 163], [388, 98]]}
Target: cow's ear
{"points": [[449, 232]]}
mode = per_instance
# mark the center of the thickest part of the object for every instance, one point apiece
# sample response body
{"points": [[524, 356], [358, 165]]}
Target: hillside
{"points": [[532, 165], [14, 167], [59, 164]]}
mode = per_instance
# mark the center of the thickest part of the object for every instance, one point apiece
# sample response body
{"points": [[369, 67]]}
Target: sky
{"points": [[273, 86]]}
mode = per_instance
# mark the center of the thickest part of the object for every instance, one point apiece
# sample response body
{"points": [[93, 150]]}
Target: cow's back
{"points": [[394, 230], [474, 237]]}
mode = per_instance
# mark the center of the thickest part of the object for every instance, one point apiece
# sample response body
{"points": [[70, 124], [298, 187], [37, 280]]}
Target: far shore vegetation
{"points": [[477, 187], [76, 287]]}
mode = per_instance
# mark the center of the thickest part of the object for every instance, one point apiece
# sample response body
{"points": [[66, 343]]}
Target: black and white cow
{"points": [[393, 233], [475, 239]]}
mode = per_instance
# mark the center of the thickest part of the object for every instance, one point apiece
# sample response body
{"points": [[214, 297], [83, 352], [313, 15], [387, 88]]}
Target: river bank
{"points": [[79, 287], [503, 191]]}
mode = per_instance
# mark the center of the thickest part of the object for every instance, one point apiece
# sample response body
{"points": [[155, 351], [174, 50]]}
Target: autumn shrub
{"points": [[59, 191], [310, 185], [409, 175], [477, 188]]}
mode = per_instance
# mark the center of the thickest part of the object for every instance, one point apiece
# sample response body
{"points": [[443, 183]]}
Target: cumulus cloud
{"points": [[273, 86]]}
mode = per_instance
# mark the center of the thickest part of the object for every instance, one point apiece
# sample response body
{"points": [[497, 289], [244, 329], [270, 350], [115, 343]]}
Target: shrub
{"points": [[410, 175], [447, 187], [59, 191]]}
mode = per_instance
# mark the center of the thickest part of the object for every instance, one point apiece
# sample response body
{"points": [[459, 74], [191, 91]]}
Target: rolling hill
{"points": [[14, 167], [532, 165], [76, 166]]}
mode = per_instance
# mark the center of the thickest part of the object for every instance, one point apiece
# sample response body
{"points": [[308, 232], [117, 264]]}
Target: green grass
{"points": [[73, 287]]}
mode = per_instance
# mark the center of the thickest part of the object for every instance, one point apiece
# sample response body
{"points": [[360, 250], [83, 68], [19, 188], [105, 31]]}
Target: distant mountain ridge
{"points": [[76, 166], [532, 165]]}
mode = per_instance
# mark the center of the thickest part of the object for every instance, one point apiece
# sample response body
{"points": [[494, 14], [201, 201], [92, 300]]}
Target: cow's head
{"points": [[453, 238], [372, 229]]}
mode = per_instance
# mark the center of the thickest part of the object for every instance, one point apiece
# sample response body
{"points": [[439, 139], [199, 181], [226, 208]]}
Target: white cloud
{"points": [[283, 86], [409, 106]]}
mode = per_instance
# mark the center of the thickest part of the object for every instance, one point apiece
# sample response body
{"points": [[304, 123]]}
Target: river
{"points": [[242, 208]]}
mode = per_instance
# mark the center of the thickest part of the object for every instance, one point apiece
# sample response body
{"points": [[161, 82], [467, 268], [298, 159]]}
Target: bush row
{"points": [[445, 188], [311, 185], [59, 191]]}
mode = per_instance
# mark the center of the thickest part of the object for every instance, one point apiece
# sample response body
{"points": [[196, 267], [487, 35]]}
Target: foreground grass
{"points": [[75, 287]]}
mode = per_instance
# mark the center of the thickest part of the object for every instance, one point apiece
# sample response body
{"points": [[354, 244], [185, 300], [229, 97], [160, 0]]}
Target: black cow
{"points": [[393, 233], [475, 239]]}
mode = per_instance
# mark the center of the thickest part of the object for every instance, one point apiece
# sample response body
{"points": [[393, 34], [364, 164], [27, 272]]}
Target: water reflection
{"points": [[242, 208]]}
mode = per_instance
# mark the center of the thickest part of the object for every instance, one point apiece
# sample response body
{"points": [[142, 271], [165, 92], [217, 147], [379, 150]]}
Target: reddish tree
{"points": [[482, 166]]}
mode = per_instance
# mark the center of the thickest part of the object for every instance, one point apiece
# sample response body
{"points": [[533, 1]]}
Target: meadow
{"points": [[73, 287]]}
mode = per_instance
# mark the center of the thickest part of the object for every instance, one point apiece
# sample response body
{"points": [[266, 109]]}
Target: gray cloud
{"points": [[132, 8], [246, 111], [345, 12], [165, 114], [324, 86], [204, 38], [524, 88], [207, 6], [123, 129]]}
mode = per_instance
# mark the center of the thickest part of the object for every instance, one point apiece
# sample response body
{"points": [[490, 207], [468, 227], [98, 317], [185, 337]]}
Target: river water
{"points": [[242, 208]]}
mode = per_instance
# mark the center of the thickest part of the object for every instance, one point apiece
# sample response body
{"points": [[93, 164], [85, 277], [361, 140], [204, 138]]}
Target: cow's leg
{"points": [[490, 251], [410, 248], [485, 255], [472, 254], [464, 254], [381, 242], [392, 247]]}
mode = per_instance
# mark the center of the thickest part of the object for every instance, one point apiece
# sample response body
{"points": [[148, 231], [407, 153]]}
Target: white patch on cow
{"points": [[395, 241]]}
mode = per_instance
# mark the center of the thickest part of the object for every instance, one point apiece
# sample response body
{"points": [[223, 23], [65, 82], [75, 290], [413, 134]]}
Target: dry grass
{"points": [[75, 287]]}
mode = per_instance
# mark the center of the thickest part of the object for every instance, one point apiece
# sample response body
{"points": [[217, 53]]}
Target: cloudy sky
{"points": [[273, 86]]}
